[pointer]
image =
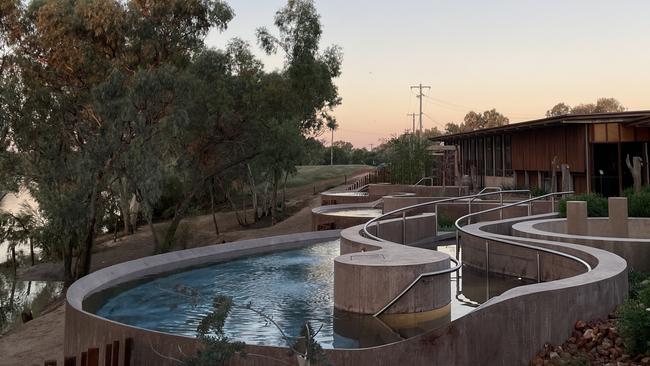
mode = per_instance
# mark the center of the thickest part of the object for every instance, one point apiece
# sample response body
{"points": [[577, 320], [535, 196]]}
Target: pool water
{"points": [[292, 287], [348, 194], [356, 212]]}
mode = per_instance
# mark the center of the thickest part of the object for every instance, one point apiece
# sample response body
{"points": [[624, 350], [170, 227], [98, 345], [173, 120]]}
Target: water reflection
{"points": [[20, 299], [292, 287]]}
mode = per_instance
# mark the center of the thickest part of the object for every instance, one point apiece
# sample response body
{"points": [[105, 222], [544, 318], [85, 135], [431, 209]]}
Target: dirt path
{"points": [[42, 339]]}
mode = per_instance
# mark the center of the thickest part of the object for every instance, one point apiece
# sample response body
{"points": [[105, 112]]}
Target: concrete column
{"points": [[618, 216], [576, 214]]}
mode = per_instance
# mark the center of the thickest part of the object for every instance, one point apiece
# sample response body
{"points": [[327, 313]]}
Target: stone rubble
{"points": [[596, 343]]}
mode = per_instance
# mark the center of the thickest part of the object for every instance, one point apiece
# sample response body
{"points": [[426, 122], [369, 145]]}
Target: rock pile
{"points": [[592, 343]]}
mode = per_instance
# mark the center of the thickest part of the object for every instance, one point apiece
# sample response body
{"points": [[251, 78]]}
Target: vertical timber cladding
{"points": [[534, 149]]}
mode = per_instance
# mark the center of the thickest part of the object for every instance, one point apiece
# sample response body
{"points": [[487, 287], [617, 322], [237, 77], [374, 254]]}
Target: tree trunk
{"points": [[214, 215], [284, 191], [179, 213], [156, 243], [31, 250], [251, 184], [332, 149], [274, 200], [67, 262], [14, 262], [124, 206], [86, 252]]}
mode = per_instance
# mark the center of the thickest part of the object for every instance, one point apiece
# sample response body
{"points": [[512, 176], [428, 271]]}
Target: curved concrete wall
{"points": [[323, 219], [381, 190], [508, 330], [343, 198], [369, 274], [635, 251], [454, 210]]}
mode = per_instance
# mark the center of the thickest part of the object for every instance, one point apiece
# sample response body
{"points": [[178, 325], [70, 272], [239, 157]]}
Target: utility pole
{"points": [[413, 115], [420, 95]]}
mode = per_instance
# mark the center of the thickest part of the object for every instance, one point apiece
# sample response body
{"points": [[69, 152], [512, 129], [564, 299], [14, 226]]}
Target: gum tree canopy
{"points": [[94, 92]]}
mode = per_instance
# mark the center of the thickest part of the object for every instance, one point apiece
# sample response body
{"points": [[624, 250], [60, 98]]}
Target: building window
{"points": [[507, 151], [498, 156], [489, 157], [480, 158]]}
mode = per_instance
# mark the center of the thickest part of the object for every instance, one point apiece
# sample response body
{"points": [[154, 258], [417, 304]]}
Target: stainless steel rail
{"points": [[538, 249], [456, 267], [430, 179], [456, 262], [403, 211]]}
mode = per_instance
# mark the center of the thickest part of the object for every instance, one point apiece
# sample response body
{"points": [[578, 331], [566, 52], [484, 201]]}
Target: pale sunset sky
{"points": [[518, 56]]}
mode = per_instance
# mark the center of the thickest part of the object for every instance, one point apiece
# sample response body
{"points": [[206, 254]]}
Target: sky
{"points": [[518, 56]]}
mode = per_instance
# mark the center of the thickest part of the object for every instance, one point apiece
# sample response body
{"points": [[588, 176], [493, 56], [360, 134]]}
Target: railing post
{"points": [[377, 231], [457, 245], [435, 212], [501, 204], [530, 204], [469, 211], [404, 227], [553, 204], [539, 272], [487, 257]]}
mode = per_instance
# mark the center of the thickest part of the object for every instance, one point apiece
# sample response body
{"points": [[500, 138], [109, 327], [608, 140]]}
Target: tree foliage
{"points": [[602, 105], [106, 93], [474, 121]]}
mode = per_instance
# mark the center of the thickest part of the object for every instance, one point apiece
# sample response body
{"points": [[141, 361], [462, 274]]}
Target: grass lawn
{"points": [[310, 174]]}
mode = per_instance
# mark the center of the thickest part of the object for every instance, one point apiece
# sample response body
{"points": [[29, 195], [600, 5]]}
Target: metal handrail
{"points": [[457, 262], [459, 228], [424, 178], [455, 268], [403, 210]]}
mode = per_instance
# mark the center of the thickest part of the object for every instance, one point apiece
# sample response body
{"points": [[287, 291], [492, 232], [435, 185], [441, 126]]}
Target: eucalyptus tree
{"points": [[84, 81]]}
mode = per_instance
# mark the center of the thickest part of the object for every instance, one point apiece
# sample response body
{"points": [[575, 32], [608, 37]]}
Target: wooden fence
{"points": [[92, 356]]}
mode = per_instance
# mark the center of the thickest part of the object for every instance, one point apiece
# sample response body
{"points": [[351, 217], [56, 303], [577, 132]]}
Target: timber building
{"points": [[592, 147]]}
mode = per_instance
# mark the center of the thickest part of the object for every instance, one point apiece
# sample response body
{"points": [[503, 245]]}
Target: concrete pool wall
{"points": [[507, 330], [369, 274]]}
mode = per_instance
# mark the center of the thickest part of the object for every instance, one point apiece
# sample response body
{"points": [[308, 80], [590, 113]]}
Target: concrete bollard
{"points": [[618, 217], [576, 214]]}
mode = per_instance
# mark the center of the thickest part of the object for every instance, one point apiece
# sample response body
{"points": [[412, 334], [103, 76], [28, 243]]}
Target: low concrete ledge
{"points": [[369, 274], [511, 328], [85, 330], [344, 197], [635, 250], [513, 260], [507, 330], [456, 209], [322, 217], [381, 190]]}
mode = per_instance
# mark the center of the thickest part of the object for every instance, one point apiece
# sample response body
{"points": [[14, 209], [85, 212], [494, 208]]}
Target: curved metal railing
{"points": [[457, 263], [460, 229], [430, 179], [403, 210], [455, 268]]}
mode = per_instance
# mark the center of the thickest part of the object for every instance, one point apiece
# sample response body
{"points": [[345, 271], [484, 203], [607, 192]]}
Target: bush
{"points": [[634, 322], [596, 204], [536, 191], [638, 203], [445, 223]]}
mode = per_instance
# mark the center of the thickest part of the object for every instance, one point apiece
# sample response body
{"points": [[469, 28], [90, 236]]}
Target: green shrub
{"points": [[596, 204], [637, 281], [634, 322], [536, 191], [445, 223], [638, 203]]}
